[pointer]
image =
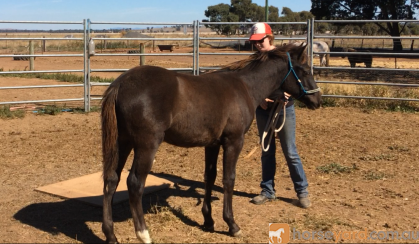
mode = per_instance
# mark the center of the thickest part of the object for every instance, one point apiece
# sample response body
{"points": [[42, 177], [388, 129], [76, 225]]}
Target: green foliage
{"points": [[246, 11], [290, 16], [374, 175], [69, 46], [6, 113], [370, 91], [58, 109], [361, 10], [51, 110], [58, 76], [221, 13]]}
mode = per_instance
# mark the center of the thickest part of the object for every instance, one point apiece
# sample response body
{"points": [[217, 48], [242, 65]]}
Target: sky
{"points": [[155, 11]]}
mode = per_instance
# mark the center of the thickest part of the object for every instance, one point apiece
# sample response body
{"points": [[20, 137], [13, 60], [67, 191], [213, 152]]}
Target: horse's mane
{"points": [[280, 51]]}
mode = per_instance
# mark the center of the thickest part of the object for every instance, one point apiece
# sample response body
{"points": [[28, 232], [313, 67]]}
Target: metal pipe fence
{"points": [[78, 23], [195, 41], [361, 53]]}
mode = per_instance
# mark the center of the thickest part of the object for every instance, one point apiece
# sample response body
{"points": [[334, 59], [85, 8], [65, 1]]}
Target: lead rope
{"points": [[272, 121]]}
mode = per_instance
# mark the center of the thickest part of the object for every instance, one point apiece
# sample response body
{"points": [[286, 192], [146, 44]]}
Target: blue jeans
{"points": [[289, 148]]}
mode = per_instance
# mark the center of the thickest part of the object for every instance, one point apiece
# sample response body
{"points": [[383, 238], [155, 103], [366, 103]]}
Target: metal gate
{"points": [[197, 38]]}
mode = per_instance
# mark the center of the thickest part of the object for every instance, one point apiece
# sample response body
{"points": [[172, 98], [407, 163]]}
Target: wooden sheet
{"points": [[89, 188]]}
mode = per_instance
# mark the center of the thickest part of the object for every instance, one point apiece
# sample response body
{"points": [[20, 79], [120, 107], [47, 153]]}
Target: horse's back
{"points": [[189, 110], [320, 46]]}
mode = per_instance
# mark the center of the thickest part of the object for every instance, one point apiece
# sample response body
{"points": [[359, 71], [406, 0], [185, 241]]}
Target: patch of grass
{"points": [[370, 91], [386, 157], [51, 110], [398, 148], [6, 113], [95, 108], [165, 213], [335, 168], [374, 175], [58, 76], [57, 109], [79, 110]]}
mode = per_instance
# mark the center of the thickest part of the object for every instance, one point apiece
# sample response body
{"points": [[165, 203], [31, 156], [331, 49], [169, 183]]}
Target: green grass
{"points": [[6, 113], [371, 91], [374, 175], [58, 109], [58, 76], [385, 157], [52, 110]]}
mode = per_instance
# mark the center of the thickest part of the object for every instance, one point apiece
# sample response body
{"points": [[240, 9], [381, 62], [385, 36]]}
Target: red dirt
{"points": [[379, 193]]}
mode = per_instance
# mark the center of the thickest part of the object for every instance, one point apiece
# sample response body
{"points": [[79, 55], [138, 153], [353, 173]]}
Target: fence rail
{"points": [[86, 26]]}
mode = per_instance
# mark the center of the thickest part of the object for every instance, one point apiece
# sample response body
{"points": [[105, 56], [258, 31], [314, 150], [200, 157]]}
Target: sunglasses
{"points": [[259, 41]]}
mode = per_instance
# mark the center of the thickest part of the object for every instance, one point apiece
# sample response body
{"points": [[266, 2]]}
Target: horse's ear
{"points": [[301, 54]]}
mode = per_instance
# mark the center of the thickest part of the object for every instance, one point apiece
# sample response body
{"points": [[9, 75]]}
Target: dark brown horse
{"points": [[148, 105], [358, 58]]}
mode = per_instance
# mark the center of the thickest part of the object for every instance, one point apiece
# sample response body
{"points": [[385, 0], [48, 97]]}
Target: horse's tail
{"points": [[109, 131]]}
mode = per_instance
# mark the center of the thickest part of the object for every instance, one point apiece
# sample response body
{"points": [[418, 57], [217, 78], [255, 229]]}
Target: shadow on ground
{"points": [[69, 217]]}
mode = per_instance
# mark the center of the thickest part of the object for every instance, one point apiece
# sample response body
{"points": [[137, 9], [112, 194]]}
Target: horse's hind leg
{"points": [[211, 156], [111, 181], [232, 148], [144, 154]]}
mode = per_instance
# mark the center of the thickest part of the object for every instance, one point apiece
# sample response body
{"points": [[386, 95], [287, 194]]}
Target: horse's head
{"points": [[298, 81]]}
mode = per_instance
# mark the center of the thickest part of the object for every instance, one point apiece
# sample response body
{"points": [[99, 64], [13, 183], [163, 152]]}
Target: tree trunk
{"points": [[395, 32]]}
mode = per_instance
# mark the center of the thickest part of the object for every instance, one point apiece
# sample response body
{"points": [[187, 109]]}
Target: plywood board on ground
{"points": [[89, 188]]}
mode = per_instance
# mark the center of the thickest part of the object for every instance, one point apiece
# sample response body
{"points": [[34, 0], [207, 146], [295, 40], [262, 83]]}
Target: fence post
{"points": [[142, 58], [31, 59], [43, 46]]}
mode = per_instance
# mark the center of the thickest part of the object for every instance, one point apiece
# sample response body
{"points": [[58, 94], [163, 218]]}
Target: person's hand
{"points": [[264, 104], [287, 96]]}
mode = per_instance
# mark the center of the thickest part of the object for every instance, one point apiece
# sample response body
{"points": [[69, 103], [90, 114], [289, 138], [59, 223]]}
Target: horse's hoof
{"points": [[237, 234], [143, 236], [210, 228], [113, 241]]}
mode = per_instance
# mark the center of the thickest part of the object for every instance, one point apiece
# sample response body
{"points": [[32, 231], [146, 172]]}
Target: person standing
{"points": [[262, 38]]}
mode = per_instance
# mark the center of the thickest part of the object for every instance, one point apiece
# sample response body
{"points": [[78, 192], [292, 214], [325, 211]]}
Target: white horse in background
{"points": [[319, 46], [277, 234]]}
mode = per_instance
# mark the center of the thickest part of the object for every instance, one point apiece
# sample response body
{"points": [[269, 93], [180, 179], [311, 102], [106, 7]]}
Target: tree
{"points": [[221, 13], [246, 11], [290, 16], [243, 9], [373, 9]]}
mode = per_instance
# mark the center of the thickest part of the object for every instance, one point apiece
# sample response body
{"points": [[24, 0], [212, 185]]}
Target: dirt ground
{"points": [[373, 188]]}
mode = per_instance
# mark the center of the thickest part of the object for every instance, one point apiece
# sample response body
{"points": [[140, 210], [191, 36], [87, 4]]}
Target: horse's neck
{"points": [[261, 82]]}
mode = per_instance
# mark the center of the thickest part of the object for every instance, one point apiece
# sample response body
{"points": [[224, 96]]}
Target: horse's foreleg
{"points": [[141, 166], [111, 181], [211, 156], [322, 60], [232, 150]]}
